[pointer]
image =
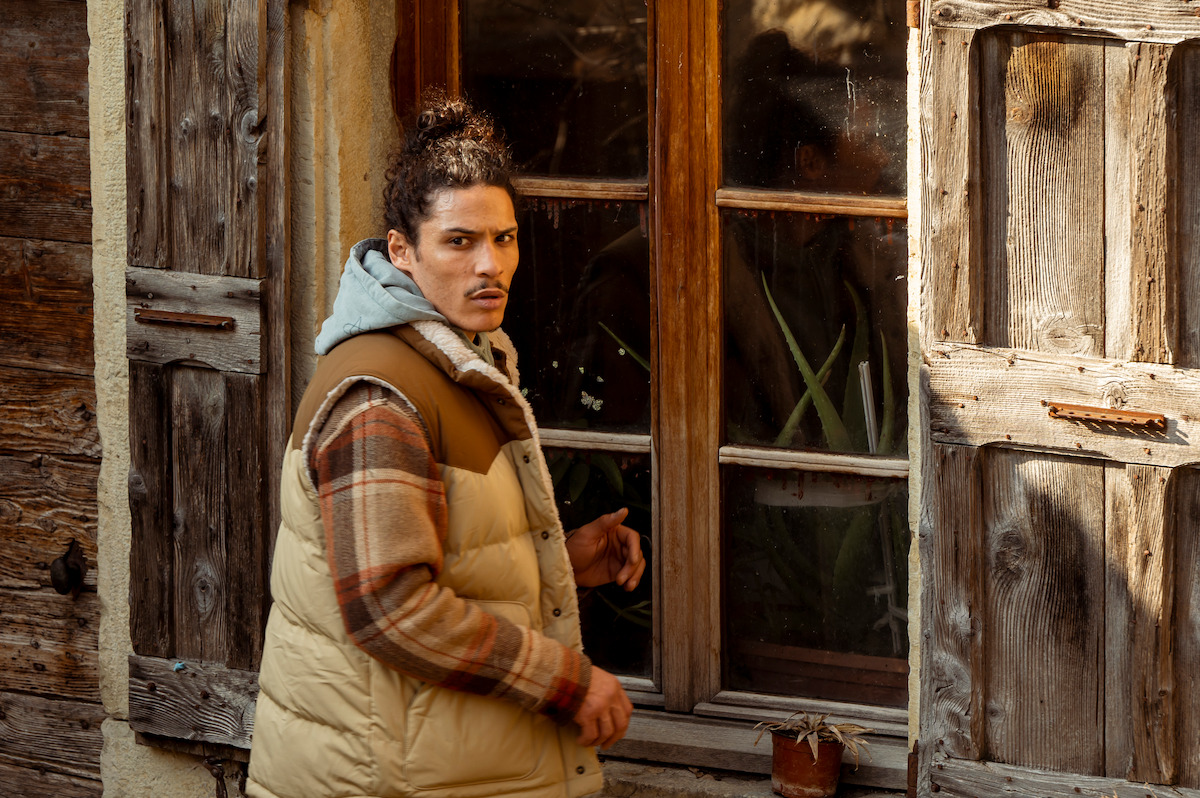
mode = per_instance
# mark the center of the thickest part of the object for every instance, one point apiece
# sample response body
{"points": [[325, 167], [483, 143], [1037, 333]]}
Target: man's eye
{"points": [[458, 241], [504, 238]]}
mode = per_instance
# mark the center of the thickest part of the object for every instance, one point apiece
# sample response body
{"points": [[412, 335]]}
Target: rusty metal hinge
{"points": [[914, 13], [1105, 415]]}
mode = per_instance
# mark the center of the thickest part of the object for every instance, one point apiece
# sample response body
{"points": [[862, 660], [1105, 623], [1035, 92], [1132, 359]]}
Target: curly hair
{"points": [[448, 145]]}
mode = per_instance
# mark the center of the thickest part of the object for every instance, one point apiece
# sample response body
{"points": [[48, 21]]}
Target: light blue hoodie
{"points": [[375, 295]]}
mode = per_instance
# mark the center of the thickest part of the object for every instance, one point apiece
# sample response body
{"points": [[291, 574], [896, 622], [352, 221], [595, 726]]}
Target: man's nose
{"points": [[489, 263]]}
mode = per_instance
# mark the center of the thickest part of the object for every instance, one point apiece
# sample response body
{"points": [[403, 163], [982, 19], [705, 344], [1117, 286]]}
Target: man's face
{"points": [[466, 255]]}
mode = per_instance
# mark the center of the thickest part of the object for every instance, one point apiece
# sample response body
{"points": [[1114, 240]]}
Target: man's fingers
{"points": [[587, 733]]}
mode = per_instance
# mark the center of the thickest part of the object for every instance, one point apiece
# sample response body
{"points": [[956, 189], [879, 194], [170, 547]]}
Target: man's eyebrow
{"points": [[468, 232]]}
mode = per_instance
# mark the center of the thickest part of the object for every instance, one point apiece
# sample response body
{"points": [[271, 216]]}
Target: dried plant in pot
{"points": [[806, 753]]}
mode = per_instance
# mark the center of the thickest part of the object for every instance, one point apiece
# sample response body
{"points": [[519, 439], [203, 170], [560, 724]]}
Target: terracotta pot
{"points": [[794, 773]]}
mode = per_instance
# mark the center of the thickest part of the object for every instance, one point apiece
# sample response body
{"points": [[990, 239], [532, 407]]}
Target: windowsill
{"points": [[623, 778]]}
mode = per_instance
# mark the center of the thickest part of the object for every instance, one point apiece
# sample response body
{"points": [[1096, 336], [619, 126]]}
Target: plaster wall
{"points": [[342, 128]]}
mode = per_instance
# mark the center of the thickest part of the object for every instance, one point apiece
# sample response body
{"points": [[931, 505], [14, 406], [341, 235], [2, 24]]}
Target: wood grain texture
{"points": [[35, 782], [49, 644], [1141, 738], [45, 187], [685, 410], [151, 500], [201, 513], [953, 619], [45, 502], [951, 299], [237, 349], [1187, 187], [1186, 505], [48, 413], [247, 592], [956, 779], [1146, 20], [1044, 636], [1043, 173], [1153, 247], [62, 736], [1118, 221], [198, 702], [44, 62], [46, 288], [147, 169], [981, 396]]}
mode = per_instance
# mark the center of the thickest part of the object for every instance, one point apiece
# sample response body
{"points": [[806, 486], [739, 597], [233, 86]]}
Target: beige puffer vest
{"points": [[331, 721]]}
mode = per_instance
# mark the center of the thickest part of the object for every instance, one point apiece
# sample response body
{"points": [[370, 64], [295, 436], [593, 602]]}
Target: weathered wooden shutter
{"points": [[208, 355], [1060, 538]]}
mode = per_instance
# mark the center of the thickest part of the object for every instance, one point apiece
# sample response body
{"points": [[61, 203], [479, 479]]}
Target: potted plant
{"points": [[806, 753]]}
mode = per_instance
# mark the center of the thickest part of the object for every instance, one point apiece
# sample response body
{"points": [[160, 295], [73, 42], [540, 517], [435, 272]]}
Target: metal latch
{"points": [[1106, 415], [151, 316]]}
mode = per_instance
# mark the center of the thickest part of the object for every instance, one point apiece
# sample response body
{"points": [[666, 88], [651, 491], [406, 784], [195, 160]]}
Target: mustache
{"points": [[486, 285]]}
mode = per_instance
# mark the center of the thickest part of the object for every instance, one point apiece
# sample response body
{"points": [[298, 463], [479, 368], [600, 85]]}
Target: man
{"points": [[424, 638]]}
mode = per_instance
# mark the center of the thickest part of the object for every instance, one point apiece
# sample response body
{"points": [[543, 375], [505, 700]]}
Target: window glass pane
{"points": [[565, 78], [579, 314], [838, 284], [814, 95], [617, 625], [816, 581]]}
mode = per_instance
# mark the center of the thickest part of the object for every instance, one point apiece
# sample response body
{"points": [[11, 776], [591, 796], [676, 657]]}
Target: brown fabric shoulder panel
{"points": [[462, 431]]}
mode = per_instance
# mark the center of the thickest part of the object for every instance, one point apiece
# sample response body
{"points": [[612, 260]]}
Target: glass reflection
{"points": [[566, 80], [836, 285], [814, 99], [816, 585], [579, 313], [617, 625]]}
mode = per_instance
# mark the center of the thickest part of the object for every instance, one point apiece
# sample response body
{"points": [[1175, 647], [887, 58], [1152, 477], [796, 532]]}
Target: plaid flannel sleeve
{"points": [[384, 512]]}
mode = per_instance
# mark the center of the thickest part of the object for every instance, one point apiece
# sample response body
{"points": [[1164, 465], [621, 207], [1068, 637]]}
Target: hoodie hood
{"points": [[372, 295]]}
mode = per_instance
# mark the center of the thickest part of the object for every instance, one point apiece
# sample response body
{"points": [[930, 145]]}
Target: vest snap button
{"points": [[526, 458], [545, 536], [580, 770], [557, 612]]}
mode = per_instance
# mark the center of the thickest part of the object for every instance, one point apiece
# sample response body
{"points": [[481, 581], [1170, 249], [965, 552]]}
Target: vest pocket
{"points": [[457, 740]]}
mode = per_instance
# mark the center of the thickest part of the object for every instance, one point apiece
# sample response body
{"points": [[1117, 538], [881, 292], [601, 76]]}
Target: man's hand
{"points": [[604, 717], [605, 551]]}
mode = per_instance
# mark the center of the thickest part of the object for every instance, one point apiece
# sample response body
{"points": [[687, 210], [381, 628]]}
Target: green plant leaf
{"points": [[579, 479], [559, 464], [641, 361], [853, 414], [793, 421], [831, 424], [612, 472]]}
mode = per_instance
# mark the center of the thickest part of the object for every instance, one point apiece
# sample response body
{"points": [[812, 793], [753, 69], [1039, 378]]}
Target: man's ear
{"points": [[401, 252]]}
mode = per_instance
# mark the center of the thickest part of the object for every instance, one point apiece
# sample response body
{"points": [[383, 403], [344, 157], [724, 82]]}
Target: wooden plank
{"points": [[812, 202], [1186, 505], [683, 306], [45, 188], [44, 61], [62, 736], [201, 513], [151, 559], [981, 396], [1188, 208], [247, 593], [951, 300], [198, 702], [147, 169], [239, 348], [45, 502], [46, 288], [1141, 711], [49, 643], [755, 707], [1044, 634], [48, 413], [1146, 20], [1043, 163], [34, 782], [955, 779], [213, 74], [952, 609], [1118, 222], [664, 736], [1153, 272], [825, 462], [565, 188]]}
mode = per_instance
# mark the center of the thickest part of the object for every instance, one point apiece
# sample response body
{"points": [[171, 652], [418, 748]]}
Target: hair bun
{"points": [[445, 117]]}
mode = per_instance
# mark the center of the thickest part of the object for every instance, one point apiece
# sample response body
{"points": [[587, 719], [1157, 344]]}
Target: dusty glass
{"points": [[808, 299], [617, 624], [814, 96], [816, 575], [579, 313], [565, 78]]}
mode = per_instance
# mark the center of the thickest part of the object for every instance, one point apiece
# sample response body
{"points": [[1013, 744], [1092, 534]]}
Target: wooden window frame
{"points": [[683, 38]]}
